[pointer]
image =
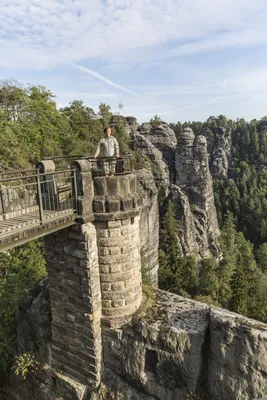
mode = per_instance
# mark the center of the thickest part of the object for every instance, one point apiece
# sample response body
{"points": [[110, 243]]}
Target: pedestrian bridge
{"points": [[38, 201]]}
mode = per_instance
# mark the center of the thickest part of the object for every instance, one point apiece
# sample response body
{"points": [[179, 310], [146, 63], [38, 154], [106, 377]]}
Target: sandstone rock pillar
{"points": [[116, 212]]}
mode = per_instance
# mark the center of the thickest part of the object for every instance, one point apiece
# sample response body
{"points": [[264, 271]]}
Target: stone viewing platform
{"points": [[92, 249]]}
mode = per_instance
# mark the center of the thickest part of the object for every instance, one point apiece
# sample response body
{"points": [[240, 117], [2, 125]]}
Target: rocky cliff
{"points": [[182, 175], [173, 348], [220, 159], [193, 196], [148, 225]]}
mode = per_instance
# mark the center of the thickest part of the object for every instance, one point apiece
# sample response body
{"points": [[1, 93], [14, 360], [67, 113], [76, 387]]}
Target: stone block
{"points": [[106, 303], [99, 206], [115, 232], [126, 203], [75, 253], [77, 236], [118, 286], [106, 286], [114, 251], [103, 251], [125, 221], [115, 268], [125, 230], [103, 233], [100, 186], [113, 205], [119, 303], [127, 266], [104, 269], [117, 276], [114, 224], [114, 295], [112, 186]]}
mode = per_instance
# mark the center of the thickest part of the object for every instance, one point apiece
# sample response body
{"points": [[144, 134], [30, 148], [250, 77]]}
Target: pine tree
{"points": [[173, 259], [238, 302]]}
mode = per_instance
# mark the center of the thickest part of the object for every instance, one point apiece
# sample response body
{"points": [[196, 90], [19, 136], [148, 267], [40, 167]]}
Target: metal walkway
{"points": [[33, 204]]}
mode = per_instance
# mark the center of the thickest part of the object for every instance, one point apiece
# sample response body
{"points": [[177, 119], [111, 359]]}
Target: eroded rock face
{"points": [[181, 173], [164, 139], [159, 167], [183, 347], [34, 322], [193, 196], [173, 347], [221, 154], [149, 224]]}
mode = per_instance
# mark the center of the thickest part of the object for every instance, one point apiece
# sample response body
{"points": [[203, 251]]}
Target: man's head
{"points": [[108, 131]]}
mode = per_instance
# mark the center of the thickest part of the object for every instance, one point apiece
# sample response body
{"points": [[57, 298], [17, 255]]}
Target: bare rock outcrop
{"points": [[159, 167], [148, 225], [179, 348], [164, 139], [221, 154], [193, 196], [174, 348]]}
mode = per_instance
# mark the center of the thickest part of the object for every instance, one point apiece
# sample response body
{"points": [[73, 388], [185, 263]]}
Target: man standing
{"points": [[109, 147]]}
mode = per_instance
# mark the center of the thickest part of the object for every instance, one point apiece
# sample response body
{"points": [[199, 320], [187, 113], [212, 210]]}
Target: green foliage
{"points": [[156, 121], [208, 281], [25, 364], [19, 269], [238, 302], [177, 274], [144, 267], [105, 114], [121, 135], [261, 256], [84, 129]]}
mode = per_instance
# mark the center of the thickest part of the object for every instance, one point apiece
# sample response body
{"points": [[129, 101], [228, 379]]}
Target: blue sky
{"points": [[183, 60]]}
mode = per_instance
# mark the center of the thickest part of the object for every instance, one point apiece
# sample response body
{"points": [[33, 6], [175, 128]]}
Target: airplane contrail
{"points": [[103, 78]]}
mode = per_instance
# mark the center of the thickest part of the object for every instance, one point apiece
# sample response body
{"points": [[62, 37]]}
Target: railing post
{"points": [[75, 190], [40, 200], [2, 203], [48, 192], [85, 190]]}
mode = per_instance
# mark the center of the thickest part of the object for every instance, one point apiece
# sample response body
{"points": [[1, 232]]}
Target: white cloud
{"points": [[47, 34], [102, 78]]}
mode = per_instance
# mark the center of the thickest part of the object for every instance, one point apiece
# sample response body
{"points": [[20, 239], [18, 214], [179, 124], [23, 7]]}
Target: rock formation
{"points": [[164, 139], [148, 225], [181, 174], [174, 347], [193, 196], [221, 153]]}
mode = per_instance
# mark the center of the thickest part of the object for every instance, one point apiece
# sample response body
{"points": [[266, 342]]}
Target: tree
{"points": [[171, 269], [105, 113], [155, 121], [120, 106], [238, 302], [261, 256], [208, 281], [19, 269]]}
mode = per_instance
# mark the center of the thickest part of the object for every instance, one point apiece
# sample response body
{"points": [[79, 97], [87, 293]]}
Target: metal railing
{"points": [[103, 166], [43, 196], [100, 166]]}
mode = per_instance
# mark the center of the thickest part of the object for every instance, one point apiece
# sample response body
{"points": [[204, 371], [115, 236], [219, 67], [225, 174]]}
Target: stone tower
{"points": [[94, 272]]}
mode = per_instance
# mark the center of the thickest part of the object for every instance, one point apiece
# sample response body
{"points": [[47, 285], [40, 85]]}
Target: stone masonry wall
{"points": [[117, 214], [120, 272], [73, 272]]}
